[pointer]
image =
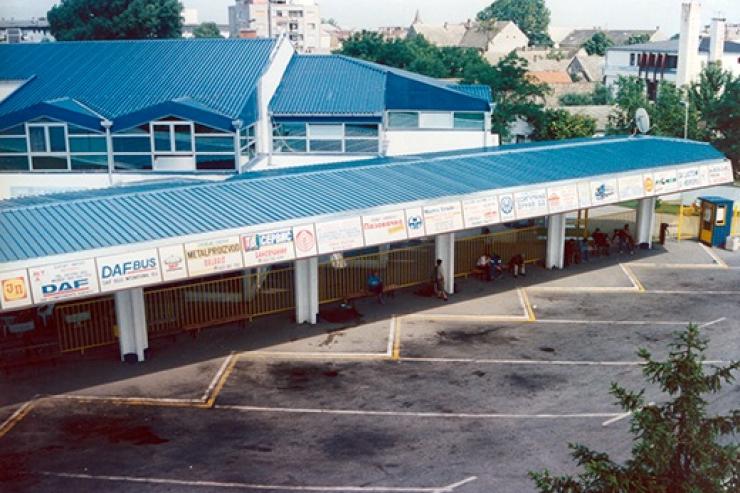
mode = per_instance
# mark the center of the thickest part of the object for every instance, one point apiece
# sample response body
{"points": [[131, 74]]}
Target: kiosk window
{"points": [[720, 220]]}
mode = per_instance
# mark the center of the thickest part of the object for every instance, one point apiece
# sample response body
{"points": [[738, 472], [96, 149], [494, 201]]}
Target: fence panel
{"points": [[398, 268], [86, 324], [530, 242], [207, 303]]}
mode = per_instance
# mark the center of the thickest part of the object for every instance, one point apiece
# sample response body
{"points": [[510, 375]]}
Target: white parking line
{"points": [[722, 319], [271, 487], [713, 255], [621, 417], [391, 337], [410, 414], [539, 362], [613, 322]]}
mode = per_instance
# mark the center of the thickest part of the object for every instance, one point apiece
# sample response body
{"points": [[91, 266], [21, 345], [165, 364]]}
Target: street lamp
{"points": [[685, 119]]}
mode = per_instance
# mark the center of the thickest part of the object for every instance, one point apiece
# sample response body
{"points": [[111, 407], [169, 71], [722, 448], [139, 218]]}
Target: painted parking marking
{"points": [[217, 377], [721, 319], [715, 258], [632, 277], [484, 361], [621, 416], [272, 487], [409, 414], [16, 417], [528, 310]]}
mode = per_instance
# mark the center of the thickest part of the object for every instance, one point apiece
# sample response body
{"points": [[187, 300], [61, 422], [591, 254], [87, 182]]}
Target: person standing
{"points": [[438, 278], [375, 286]]}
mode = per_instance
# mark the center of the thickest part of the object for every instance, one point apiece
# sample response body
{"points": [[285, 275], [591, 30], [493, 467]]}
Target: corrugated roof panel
{"points": [[96, 219], [115, 78]]}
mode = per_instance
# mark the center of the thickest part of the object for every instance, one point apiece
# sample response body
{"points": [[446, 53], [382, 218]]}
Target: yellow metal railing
{"points": [[204, 304], [530, 242], [85, 325], [397, 268]]}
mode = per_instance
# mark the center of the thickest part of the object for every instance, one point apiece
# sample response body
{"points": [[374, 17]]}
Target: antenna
{"points": [[642, 120]]}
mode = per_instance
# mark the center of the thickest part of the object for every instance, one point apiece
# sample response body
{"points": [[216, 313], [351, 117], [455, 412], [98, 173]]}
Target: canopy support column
{"points": [[646, 221], [555, 258], [307, 290], [131, 317], [444, 247]]}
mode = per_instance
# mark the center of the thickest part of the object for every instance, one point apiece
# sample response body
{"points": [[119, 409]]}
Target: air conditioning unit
{"points": [[733, 243]]}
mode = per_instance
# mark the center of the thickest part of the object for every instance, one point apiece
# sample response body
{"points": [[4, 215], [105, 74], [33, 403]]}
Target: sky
{"points": [[612, 14]]}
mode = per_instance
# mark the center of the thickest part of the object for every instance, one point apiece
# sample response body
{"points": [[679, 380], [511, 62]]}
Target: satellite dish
{"points": [[642, 120]]}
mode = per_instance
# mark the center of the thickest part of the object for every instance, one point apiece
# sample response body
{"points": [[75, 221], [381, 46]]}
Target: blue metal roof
{"points": [[130, 82], [64, 223], [339, 85]]}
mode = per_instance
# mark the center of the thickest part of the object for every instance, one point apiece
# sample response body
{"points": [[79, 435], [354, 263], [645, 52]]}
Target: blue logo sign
{"points": [[603, 192], [64, 286], [128, 268], [415, 222], [507, 204]]}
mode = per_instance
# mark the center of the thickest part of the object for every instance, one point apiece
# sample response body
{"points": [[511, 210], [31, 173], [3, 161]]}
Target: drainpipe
{"points": [[107, 124]]}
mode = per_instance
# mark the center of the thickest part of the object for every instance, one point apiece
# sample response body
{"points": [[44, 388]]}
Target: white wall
{"points": [[266, 88], [17, 184], [509, 39], [288, 160], [415, 141]]}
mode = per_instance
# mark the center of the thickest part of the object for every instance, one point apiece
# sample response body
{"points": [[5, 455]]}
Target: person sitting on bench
{"points": [[484, 265], [516, 265], [375, 286]]}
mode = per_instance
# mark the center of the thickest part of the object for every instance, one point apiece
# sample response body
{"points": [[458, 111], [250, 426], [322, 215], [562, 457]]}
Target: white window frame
{"points": [[171, 127], [47, 142]]}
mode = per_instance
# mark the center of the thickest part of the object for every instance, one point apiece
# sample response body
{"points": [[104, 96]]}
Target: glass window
{"points": [[75, 130], [204, 129], [90, 163], [183, 138], [473, 121], [57, 139], [13, 163], [87, 144], [289, 145], [361, 145], [206, 163], [13, 145], [289, 130], [162, 141], [326, 146], [214, 144], [17, 130], [135, 163], [435, 120], [364, 130], [37, 136], [403, 119], [321, 131], [48, 163], [131, 144]]}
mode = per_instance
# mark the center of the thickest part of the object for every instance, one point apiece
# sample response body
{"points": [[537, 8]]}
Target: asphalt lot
{"points": [[417, 397]]}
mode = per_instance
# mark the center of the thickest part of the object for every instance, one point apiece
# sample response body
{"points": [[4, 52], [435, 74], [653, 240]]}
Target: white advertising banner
{"points": [[387, 227], [443, 218], [584, 195], [172, 263], [532, 203], [480, 211], [631, 187], [665, 181], [561, 199], [689, 178], [719, 173], [16, 291], [212, 256], [62, 281], [337, 236], [648, 184], [129, 270], [304, 239], [604, 192], [506, 207], [415, 222], [270, 247]]}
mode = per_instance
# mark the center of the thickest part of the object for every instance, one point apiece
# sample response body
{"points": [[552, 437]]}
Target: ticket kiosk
{"points": [[715, 221]]}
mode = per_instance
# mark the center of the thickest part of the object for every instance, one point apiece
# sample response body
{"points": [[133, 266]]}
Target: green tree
{"points": [[601, 95], [725, 118], [630, 96], [73, 20], [207, 30], [677, 448], [638, 38], [668, 113], [560, 124], [598, 44], [531, 16]]}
